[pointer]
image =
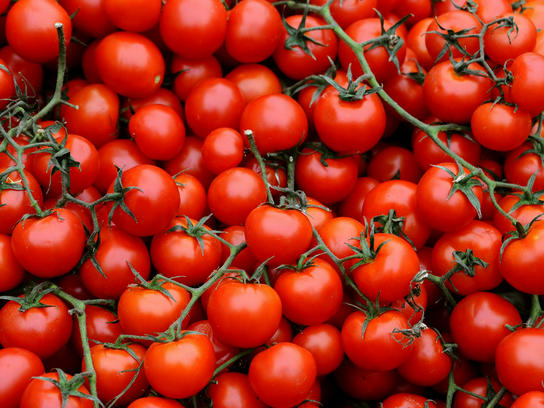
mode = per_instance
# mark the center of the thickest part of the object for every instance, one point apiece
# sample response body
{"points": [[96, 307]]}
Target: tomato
{"points": [[11, 272], [378, 349], [419, 9], [135, 16], [485, 242], [32, 72], [232, 389], [91, 17], [102, 326], [278, 233], [487, 11], [181, 368], [88, 63], [116, 249], [17, 367], [130, 64], [478, 324], [521, 262], [389, 274], [81, 177], [235, 234], [223, 352], [253, 31], [275, 173], [296, 63], [277, 122], [500, 46], [352, 205], [532, 399], [201, 23], [27, 159], [43, 331], [223, 149], [194, 71], [143, 311], [254, 80], [524, 214], [479, 386], [377, 58], [283, 375], [440, 212], [463, 371], [158, 131], [311, 296], [234, 194], [518, 169], [96, 117], [192, 196], [327, 184], [244, 315], [154, 204], [163, 96], [527, 87], [110, 380], [415, 41], [16, 203], [400, 196], [349, 127], [452, 97], [31, 32], [44, 394], [408, 401], [536, 13], [348, 12], [427, 364], [155, 402]]}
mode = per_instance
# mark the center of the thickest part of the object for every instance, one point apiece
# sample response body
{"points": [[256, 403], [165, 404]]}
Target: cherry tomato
{"points": [[44, 394], [17, 367]]}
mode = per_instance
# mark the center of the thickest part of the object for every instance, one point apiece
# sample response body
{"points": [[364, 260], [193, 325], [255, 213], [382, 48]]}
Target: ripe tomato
{"points": [[19, 67], [524, 214], [500, 46], [232, 389], [352, 205], [277, 122], [273, 232], [17, 367], [404, 400], [109, 365], [11, 272], [43, 394], [485, 242], [31, 32], [518, 169], [348, 12], [130, 64], [244, 315], [154, 206], [158, 131], [478, 324], [155, 402], [132, 15], [201, 23], [102, 325], [194, 71], [223, 352], [532, 399], [235, 234], [253, 31], [282, 375], [223, 149], [192, 196], [527, 88], [254, 80], [479, 386], [181, 368], [311, 296], [43, 331], [415, 41], [91, 18]]}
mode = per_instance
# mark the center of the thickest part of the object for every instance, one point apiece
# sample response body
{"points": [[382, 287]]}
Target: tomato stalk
{"points": [[536, 311], [255, 151]]}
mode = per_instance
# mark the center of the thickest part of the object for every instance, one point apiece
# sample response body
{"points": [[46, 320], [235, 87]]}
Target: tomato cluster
{"points": [[242, 203]]}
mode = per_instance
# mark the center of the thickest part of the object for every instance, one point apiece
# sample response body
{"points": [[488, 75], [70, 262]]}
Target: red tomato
{"points": [[501, 47], [532, 399], [273, 232], [325, 344], [201, 23], [244, 315], [223, 352], [181, 368], [408, 401], [275, 174], [155, 402], [11, 272], [254, 80], [192, 196], [130, 64], [524, 214], [352, 205], [349, 11], [44, 394], [519, 167], [415, 41], [479, 386], [91, 17], [235, 234], [163, 96], [43, 331], [154, 204], [102, 325], [282, 375], [223, 149], [232, 389], [527, 90], [32, 72], [310, 296], [277, 122], [17, 367], [31, 32], [194, 71], [133, 15]]}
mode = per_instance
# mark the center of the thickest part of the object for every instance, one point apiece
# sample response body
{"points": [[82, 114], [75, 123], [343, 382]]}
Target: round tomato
{"points": [[527, 90], [191, 71], [223, 149], [325, 343], [254, 80], [102, 326], [44, 394], [133, 15], [223, 352], [479, 386], [501, 46], [404, 400], [155, 402], [17, 367], [192, 196], [532, 399], [232, 389]]}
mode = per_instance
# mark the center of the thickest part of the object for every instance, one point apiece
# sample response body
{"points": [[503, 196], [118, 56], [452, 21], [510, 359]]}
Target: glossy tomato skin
{"points": [[202, 25], [223, 149], [500, 48], [30, 29], [277, 122], [192, 196], [232, 389], [96, 117], [223, 352], [11, 272], [254, 80], [325, 344], [532, 399], [20, 67], [102, 325], [91, 18], [283, 375], [485, 242], [524, 214], [388, 162], [155, 402], [379, 349], [518, 169], [43, 331], [154, 207], [329, 184], [479, 386], [526, 89], [181, 368], [478, 324], [43, 394], [116, 249], [295, 63], [51, 246], [134, 16], [17, 367], [391, 272], [311, 296], [352, 205], [521, 262], [404, 400], [244, 315], [350, 11], [110, 381], [194, 71], [278, 233]]}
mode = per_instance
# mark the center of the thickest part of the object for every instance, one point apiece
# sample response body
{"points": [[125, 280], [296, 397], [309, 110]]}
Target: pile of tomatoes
{"points": [[249, 204]]}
